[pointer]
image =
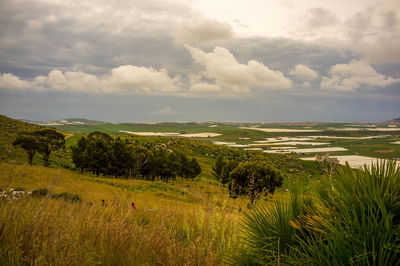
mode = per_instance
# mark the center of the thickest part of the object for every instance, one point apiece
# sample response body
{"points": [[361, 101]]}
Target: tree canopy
{"points": [[254, 179], [42, 141], [100, 153]]}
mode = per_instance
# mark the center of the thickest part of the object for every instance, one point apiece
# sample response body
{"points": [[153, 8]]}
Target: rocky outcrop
{"points": [[14, 194]]}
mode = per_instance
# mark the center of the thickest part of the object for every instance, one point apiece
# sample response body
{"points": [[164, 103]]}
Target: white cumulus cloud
{"points": [[11, 82], [141, 79], [348, 77], [123, 79], [303, 72], [221, 66]]}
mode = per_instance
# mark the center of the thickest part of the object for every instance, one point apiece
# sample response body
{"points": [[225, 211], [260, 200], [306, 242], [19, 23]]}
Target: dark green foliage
{"points": [[48, 140], [100, 153], [121, 159], [140, 156], [93, 153], [10, 129], [80, 154], [43, 141], [218, 167], [68, 197], [353, 221], [29, 143], [222, 169], [188, 168], [40, 192], [267, 233], [254, 179], [359, 219], [226, 173], [194, 168]]}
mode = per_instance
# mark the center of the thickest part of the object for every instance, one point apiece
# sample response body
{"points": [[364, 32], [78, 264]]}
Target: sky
{"points": [[200, 60]]}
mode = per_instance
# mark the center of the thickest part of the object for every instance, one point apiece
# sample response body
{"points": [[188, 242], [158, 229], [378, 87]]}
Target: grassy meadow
{"points": [[176, 223]]}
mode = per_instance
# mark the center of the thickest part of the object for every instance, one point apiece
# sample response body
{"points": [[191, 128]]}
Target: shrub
{"points": [[68, 197], [40, 192]]}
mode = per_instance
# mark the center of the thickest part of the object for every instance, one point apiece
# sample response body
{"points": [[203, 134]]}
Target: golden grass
{"points": [[176, 223]]}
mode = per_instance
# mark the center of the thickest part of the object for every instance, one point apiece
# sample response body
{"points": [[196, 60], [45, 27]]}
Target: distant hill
{"points": [[9, 129], [395, 122], [68, 121]]}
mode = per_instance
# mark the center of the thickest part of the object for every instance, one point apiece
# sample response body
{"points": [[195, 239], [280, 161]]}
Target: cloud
{"points": [[203, 31], [123, 79], [56, 80], [11, 82], [141, 79], [222, 67], [303, 72], [348, 77], [374, 32], [320, 17]]}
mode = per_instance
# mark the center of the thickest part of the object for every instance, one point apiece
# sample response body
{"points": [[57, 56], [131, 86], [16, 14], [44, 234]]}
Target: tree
{"points": [[140, 157], [228, 168], [170, 166], [218, 167], [79, 154], [43, 141], [195, 168], [222, 169], [121, 159], [94, 153], [48, 140], [185, 166], [29, 144], [254, 179]]}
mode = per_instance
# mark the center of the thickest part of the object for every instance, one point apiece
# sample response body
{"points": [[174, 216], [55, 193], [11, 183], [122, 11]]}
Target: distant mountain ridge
{"points": [[395, 122]]}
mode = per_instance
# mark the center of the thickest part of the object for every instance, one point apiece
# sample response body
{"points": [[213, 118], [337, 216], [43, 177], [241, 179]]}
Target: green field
{"points": [[377, 148]]}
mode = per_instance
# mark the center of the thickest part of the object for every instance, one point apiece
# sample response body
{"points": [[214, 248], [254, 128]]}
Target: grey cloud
{"points": [[203, 31], [375, 32], [319, 17], [87, 34], [303, 72]]}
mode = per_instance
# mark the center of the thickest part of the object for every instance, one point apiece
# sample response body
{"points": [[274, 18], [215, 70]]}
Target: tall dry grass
{"points": [[181, 223], [42, 232]]}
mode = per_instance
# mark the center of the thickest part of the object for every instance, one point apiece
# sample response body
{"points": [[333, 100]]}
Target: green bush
{"points": [[40, 192], [68, 197]]}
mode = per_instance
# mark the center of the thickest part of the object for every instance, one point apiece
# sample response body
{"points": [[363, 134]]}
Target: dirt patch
{"points": [[385, 151]]}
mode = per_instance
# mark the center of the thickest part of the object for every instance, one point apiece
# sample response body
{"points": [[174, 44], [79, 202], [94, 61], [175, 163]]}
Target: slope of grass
{"points": [[176, 223], [9, 129]]}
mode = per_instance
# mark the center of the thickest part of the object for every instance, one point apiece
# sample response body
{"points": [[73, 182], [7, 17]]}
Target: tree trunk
{"points": [[30, 157]]}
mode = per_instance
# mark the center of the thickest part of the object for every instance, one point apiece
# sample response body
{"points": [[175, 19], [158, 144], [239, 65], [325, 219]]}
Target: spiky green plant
{"points": [[267, 233], [358, 219]]}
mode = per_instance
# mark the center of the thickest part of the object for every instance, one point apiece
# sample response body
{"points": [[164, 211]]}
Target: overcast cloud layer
{"points": [[200, 60]]}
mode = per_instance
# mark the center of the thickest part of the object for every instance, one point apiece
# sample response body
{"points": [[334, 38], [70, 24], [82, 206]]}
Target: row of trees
{"points": [[42, 141], [253, 179], [101, 154]]}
